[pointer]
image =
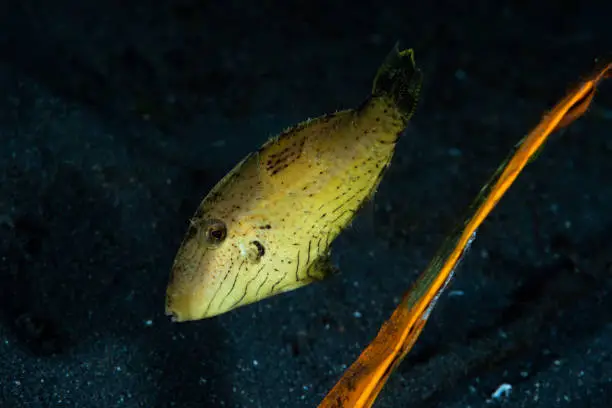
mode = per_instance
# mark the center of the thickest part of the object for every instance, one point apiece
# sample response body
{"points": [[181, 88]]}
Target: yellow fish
{"points": [[267, 226]]}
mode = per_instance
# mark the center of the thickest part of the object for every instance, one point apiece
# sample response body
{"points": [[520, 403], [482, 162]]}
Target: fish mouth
{"points": [[184, 305], [188, 294], [174, 317], [179, 308], [181, 298]]}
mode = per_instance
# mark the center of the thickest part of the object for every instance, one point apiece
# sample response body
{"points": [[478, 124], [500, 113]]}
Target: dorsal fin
{"points": [[283, 150]]}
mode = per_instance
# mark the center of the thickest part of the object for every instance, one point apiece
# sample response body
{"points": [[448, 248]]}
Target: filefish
{"points": [[268, 225]]}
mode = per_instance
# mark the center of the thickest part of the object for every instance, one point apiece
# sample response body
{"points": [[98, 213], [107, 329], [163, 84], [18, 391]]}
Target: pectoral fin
{"points": [[322, 268]]}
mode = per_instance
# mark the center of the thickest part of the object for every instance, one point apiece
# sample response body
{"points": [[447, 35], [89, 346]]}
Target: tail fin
{"points": [[399, 79]]}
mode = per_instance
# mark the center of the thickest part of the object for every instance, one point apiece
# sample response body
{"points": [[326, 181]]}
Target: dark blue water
{"points": [[116, 118]]}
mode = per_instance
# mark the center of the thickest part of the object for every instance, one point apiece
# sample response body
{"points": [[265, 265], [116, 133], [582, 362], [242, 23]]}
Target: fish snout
{"points": [[183, 299], [180, 307]]}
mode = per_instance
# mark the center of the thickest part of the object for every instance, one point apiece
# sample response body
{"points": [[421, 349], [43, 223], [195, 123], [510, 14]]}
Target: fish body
{"points": [[267, 226]]}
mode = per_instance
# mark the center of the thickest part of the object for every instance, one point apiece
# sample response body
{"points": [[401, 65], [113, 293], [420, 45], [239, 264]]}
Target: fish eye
{"points": [[216, 231]]}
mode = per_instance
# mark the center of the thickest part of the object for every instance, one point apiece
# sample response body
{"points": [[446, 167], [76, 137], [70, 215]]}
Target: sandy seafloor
{"points": [[117, 117]]}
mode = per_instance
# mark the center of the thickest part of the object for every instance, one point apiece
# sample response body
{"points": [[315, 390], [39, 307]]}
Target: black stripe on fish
{"points": [[262, 283], [233, 284], [277, 282], [297, 267], [308, 256], [246, 287]]}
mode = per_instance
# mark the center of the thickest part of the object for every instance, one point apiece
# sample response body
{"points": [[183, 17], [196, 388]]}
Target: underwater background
{"points": [[116, 118]]}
